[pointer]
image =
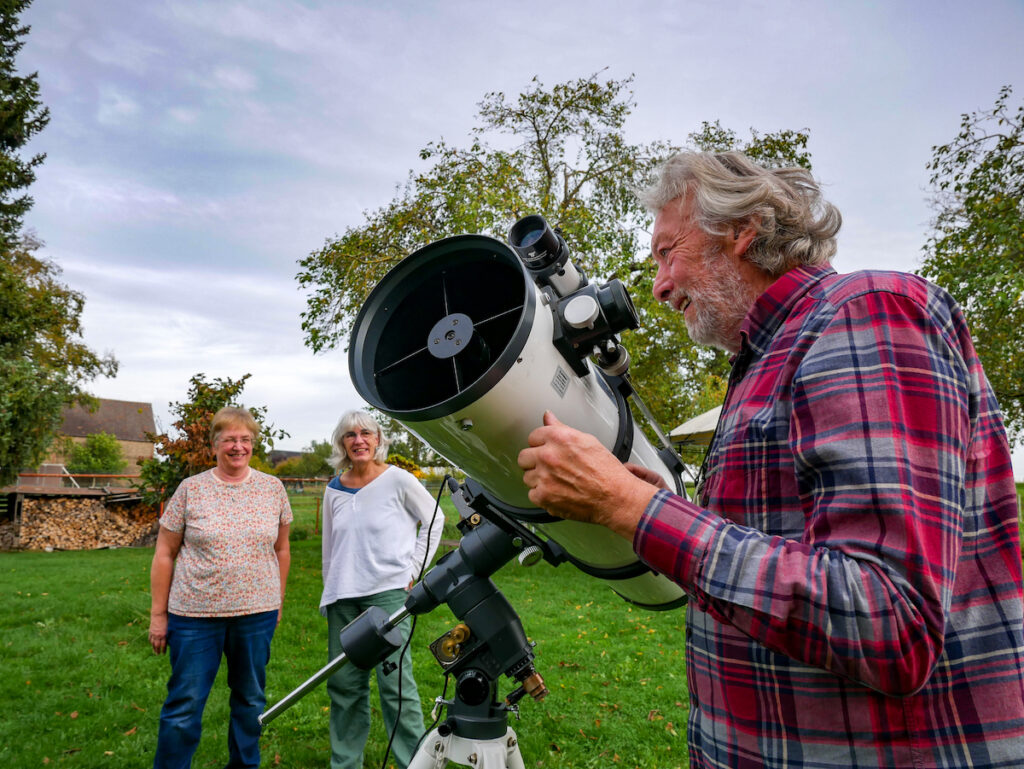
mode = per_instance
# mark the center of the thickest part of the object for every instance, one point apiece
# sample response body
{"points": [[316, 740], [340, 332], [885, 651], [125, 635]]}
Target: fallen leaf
{"points": [[136, 707], [131, 731], [74, 714]]}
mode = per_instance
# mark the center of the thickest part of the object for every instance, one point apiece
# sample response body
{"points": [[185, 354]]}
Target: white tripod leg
{"points": [[436, 751]]}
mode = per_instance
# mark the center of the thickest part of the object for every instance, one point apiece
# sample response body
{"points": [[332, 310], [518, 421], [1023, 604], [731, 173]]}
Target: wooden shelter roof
{"points": [[125, 420]]}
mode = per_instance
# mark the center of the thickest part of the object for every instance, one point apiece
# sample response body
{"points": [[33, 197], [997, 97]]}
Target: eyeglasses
{"points": [[244, 441], [364, 434]]}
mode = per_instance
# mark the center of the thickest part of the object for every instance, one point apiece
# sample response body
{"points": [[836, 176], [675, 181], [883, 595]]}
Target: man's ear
{"points": [[740, 237]]}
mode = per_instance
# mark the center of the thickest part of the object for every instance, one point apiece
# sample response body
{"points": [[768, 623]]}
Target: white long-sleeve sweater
{"points": [[370, 537]]}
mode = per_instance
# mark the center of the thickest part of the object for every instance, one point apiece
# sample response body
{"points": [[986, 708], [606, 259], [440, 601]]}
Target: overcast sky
{"points": [[196, 150]]}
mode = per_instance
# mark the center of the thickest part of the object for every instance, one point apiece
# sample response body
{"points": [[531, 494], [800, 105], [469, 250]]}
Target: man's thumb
{"points": [[550, 419]]}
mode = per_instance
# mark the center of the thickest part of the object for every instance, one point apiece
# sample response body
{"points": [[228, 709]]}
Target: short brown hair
{"points": [[233, 416]]}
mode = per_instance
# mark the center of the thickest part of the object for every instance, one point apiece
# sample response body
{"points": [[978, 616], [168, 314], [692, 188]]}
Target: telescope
{"points": [[467, 342]]}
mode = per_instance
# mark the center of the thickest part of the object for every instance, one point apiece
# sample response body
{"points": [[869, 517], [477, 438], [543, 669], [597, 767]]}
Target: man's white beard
{"points": [[721, 302]]}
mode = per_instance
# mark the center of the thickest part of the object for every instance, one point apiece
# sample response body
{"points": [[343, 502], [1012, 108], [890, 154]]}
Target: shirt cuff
{"points": [[673, 537]]}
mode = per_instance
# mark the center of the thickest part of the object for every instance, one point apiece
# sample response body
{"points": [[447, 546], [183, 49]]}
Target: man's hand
{"points": [[648, 475], [571, 475]]}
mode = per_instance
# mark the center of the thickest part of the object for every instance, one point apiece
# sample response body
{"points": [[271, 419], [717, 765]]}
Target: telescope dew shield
{"points": [[455, 342]]}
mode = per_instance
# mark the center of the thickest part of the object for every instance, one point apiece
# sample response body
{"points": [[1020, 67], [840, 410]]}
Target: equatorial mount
{"points": [[489, 640]]}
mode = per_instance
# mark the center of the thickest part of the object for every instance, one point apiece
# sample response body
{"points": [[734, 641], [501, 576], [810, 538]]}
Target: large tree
{"points": [[43, 362], [561, 152], [22, 116], [976, 249], [187, 450]]}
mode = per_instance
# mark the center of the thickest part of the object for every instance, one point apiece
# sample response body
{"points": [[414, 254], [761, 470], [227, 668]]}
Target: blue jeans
{"points": [[195, 646]]}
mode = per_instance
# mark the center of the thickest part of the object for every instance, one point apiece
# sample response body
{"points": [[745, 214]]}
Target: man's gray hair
{"points": [[795, 225]]}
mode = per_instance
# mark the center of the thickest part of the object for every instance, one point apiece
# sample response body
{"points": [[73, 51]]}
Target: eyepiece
{"points": [[530, 238], [536, 243]]}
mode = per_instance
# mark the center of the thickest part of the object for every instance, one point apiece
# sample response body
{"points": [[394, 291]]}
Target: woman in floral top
{"points": [[217, 583]]}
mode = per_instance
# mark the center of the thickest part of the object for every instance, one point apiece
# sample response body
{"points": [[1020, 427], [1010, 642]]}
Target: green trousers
{"points": [[349, 690]]}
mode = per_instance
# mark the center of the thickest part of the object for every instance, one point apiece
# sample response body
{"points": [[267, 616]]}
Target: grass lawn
{"points": [[82, 688]]}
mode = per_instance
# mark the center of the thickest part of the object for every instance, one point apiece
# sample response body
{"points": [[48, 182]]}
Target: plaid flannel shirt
{"points": [[855, 562]]}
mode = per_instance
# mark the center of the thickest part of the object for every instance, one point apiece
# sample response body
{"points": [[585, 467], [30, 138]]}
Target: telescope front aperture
{"points": [[441, 328]]}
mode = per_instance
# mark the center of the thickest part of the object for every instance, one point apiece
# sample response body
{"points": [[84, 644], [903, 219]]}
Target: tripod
{"points": [[488, 642], [436, 751]]}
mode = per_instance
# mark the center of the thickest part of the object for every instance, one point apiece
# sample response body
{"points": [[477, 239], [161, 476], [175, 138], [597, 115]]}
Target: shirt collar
{"points": [[772, 307]]}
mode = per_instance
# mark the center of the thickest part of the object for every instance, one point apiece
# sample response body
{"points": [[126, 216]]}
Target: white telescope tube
{"points": [[456, 344]]}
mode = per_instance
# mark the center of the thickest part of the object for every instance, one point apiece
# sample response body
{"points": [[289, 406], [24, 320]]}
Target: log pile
{"points": [[80, 523], [9, 535]]}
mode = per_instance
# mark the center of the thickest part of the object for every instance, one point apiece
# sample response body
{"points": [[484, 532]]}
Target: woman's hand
{"points": [[158, 632], [168, 543]]}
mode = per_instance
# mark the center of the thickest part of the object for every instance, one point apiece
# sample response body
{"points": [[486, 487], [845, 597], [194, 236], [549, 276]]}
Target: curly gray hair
{"points": [[794, 224]]}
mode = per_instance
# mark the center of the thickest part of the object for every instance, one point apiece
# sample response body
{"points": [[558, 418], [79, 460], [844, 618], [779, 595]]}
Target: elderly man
{"points": [[853, 556]]}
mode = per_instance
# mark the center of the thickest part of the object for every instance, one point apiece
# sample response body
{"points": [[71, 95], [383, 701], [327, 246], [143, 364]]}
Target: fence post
{"points": [[316, 525]]}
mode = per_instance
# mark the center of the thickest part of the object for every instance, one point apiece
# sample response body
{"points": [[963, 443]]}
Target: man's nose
{"points": [[662, 286]]}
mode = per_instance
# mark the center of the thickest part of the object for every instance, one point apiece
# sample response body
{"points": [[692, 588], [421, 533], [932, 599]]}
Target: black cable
{"points": [[433, 724], [412, 630], [398, 712]]}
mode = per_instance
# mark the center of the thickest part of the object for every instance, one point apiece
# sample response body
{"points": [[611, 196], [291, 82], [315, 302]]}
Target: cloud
{"points": [[101, 193], [126, 52], [234, 79], [286, 26], [115, 107], [186, 116], [166, 325]]}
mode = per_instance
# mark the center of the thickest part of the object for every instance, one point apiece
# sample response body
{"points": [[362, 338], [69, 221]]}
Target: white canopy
{"points": [[697, 431]]}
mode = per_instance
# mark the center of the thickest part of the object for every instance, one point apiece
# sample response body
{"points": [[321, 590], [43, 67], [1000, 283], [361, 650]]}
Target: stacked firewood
{"points": [[8, 535], [83, 523]]}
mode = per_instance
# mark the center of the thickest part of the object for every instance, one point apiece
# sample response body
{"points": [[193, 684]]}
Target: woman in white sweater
{"points": [[377, 536]]}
